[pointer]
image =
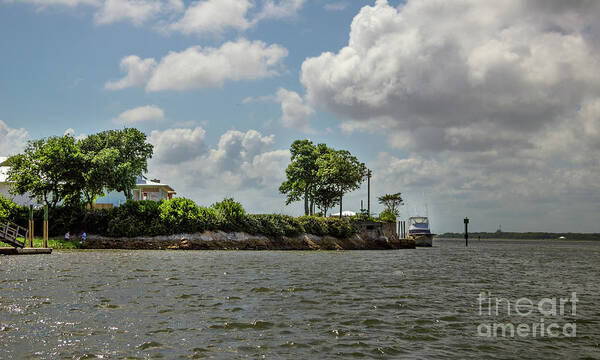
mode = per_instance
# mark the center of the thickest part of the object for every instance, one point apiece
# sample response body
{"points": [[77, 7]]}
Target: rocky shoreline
{"points": [[219, 240]]}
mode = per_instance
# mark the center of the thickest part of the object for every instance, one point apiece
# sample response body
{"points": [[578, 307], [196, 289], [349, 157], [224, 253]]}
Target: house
{"points": [[23, 200], [145, 189]]}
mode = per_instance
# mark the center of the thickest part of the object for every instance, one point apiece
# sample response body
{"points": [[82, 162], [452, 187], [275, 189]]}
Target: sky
{"points": [[485, 109]]}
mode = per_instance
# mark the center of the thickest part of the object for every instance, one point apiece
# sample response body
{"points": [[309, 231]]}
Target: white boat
{"points": [[418, 230]]}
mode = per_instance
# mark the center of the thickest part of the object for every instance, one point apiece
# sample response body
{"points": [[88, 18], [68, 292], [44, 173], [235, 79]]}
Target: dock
{"points": [[12, 234], [24, 251]]}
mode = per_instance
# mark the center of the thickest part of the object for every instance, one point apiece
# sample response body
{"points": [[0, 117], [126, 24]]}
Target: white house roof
{"points": [[144, 182], [345, 213]]}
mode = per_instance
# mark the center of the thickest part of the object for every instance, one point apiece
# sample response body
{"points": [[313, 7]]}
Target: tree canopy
{"points": [[320, 175], [392, 202], [342, 170], [63, 169], [124, 153], [301, 173], [47, 169]]}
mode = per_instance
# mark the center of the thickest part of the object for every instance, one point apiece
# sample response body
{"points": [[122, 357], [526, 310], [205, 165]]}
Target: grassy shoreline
{"points": [[52, 243]]}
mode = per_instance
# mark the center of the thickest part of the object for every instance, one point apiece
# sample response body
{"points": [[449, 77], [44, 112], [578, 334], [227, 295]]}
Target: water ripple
{"points": [[236, 304]]}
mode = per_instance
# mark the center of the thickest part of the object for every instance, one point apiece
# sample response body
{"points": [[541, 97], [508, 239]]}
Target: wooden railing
{"points": [[10, 233]]}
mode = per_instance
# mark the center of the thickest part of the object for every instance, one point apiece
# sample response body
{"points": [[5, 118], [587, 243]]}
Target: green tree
{"points": [[342, 170], [126, 150], [392, 202], [325, 196], [96, 172], [48, 169], [301, 173]]}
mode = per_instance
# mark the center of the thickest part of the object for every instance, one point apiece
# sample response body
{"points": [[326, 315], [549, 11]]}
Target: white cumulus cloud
{"points": [[135, 11], [295, 111], [140, 114], [40, 4], [137, 72], [12, 140], [242, 164], [174, 146], [279, 9], [202, 67], [216, 17], [213, 16], [198, 67], [202, 17], [503, 66]]}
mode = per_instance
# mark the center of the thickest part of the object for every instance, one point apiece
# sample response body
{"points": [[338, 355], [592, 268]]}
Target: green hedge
{"points": [[273, 225], [314, 225], [175, 216], [136, 218], [332, 226]]}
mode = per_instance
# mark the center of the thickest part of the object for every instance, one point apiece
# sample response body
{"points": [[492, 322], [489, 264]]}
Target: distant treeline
{"points": [[522, 235]]}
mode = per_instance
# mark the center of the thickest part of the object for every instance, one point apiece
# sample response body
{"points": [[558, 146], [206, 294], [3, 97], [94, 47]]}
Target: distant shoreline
{"points": [[521, 236]]}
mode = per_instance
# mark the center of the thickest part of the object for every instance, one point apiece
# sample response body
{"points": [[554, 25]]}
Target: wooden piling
{"points": [[31, 226], [466, 231], [45, 226]]}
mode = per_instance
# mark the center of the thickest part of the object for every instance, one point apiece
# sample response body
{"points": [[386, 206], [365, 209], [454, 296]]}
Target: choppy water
{"points": [[233, 304]]}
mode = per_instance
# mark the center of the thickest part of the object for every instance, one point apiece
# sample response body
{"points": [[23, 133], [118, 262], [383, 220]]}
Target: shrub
{"points": [[332, 226], [340, 228], [209, 218], [231, 215], [8, 208], [137, 218], [62, 218], [273, 225], [387, 216], [314, 225], [181, 215], [96, 221], [230, 208]]}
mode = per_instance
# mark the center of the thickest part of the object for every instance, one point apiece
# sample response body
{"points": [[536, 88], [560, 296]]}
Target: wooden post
{"points": [[45, 226], [31, 226], [466, 231]]}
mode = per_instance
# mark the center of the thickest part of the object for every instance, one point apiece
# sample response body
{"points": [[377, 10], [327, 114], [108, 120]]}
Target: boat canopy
{"points": [[418, 220]]}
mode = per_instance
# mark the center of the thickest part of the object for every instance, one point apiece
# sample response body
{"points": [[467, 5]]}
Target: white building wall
{"points": [[23, 200]]}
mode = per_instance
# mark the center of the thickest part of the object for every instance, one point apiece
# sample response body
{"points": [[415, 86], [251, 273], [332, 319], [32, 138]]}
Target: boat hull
{"points": [[422, 240]]}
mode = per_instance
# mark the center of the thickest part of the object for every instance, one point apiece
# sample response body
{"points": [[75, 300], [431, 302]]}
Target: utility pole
{"points": [[369, 174]]}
